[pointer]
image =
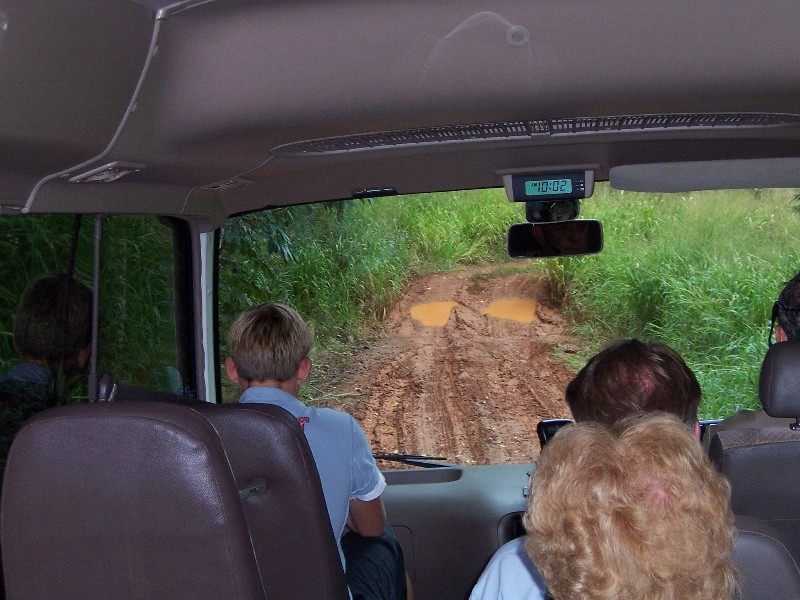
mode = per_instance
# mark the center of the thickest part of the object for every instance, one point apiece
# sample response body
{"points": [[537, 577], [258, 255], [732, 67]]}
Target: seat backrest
{"points": [[779, 380], [763, 467], [768, 570], [282, 500], [763, 464], [123, 500]]}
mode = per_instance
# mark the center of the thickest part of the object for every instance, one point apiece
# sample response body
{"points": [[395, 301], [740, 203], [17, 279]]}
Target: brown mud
{"points": [[469, 362]]}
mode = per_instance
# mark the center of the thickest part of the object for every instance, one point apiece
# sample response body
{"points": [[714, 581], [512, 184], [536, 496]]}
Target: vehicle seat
{"points": [[767, 569], [123, 500], [282, 500], [763, 464]]}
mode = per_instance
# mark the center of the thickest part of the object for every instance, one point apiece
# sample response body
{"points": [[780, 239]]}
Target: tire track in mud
{"points": [[472, 390]]}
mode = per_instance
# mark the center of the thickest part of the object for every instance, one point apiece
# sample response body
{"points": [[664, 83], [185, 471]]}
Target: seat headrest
{"points": [[779, 383], [124, 499]]}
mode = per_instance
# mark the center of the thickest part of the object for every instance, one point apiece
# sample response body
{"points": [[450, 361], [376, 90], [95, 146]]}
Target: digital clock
{"points": [[547, 187], [565, 185]]}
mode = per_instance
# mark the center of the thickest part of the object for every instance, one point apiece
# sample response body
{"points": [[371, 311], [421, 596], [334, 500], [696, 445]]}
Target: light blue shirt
{"points": [[344, 459], [510, 575]]}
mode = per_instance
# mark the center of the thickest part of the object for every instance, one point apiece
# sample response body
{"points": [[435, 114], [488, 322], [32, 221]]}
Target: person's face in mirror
{"points": [[569, 237]]}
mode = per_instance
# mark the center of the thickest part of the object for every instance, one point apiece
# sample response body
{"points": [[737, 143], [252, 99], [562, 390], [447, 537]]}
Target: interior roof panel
{"points": [[231, 80], [67, 75]]}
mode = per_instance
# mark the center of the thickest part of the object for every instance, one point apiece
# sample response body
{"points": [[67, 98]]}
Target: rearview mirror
{"points": [[560, 238]]}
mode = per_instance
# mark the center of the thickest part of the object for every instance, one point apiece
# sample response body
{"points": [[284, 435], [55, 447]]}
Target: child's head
{"points": [[53, 323], [268, 342]]}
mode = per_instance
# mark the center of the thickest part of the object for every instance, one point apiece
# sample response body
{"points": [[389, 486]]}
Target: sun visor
{"points": [[707, 175]]}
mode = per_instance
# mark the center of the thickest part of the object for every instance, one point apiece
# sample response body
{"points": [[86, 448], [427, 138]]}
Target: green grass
{"points": [[351, 262], [351, 267], [696, 271]]}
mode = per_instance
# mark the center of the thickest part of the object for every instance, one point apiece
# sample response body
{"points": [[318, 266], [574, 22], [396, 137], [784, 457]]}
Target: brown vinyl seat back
{"points": [[282, 499], [130, 500], [767, 569], [763, 464]]}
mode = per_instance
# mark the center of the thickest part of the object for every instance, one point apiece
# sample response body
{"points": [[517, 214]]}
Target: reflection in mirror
{"points": [[563, 238]]}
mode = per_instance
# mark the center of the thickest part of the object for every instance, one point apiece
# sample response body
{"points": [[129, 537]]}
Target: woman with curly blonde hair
{"points": [[635, 510]]}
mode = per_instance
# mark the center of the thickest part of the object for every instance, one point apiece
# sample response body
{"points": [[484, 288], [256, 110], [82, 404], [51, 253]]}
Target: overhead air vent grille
{"points": [[521, 130]]}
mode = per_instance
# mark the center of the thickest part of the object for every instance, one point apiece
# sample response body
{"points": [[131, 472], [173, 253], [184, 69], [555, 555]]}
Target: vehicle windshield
{"points": [[437, 342], [441, 345]]}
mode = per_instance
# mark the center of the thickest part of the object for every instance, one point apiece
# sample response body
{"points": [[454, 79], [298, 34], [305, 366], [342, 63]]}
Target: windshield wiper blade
{"points": [[417, 460]]}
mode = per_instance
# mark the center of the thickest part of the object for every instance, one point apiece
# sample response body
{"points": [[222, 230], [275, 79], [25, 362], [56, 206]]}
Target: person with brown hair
{"points": [[631, 376], [633, 510], [52, 334], [625, 378], [269, 360], [52, 330]]}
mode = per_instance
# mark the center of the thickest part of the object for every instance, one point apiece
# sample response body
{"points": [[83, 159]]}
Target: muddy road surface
{"points": [[468, 364]]}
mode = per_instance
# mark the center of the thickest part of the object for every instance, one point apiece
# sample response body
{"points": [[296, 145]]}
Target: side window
{"points": [[145, 292], [143, 338]]}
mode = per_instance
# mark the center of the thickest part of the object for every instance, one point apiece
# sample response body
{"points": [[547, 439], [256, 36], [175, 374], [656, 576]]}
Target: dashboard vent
{"points": [[535, 129]]}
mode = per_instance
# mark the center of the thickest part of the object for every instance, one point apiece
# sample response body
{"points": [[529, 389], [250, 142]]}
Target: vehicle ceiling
{"points": [[227, 106]]}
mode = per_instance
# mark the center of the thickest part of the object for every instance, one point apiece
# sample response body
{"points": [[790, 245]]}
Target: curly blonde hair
{"points": [[635, 510]]}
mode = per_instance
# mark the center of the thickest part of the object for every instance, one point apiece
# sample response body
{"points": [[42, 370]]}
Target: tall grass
{"points": [[350, 263], [349, 266], [696, 271], [137, 302]]}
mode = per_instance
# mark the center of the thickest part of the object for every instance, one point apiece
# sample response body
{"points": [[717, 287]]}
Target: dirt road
{"points": [[466, 368]]}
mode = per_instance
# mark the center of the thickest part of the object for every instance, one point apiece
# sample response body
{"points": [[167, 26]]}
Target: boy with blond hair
{"points": [[270, 345]]}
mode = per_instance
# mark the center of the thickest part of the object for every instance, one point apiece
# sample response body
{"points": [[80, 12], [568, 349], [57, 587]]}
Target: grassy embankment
{"points": [[697, 271]]}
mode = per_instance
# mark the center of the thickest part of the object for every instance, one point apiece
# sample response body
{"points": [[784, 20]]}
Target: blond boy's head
{"points": [[268, 342]]}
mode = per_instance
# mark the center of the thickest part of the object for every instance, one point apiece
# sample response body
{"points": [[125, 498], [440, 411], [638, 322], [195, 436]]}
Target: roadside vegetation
{"points": [[697, 271], [344, 265]]}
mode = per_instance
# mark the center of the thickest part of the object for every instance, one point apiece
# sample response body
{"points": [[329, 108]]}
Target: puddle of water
{"points": [[520, 310], [432, 314]]}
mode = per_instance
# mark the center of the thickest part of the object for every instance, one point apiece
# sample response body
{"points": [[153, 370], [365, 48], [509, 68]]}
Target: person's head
{"points": [[786, 312], [268, 342], [631, 376], [53, 323], [635, 510]]}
